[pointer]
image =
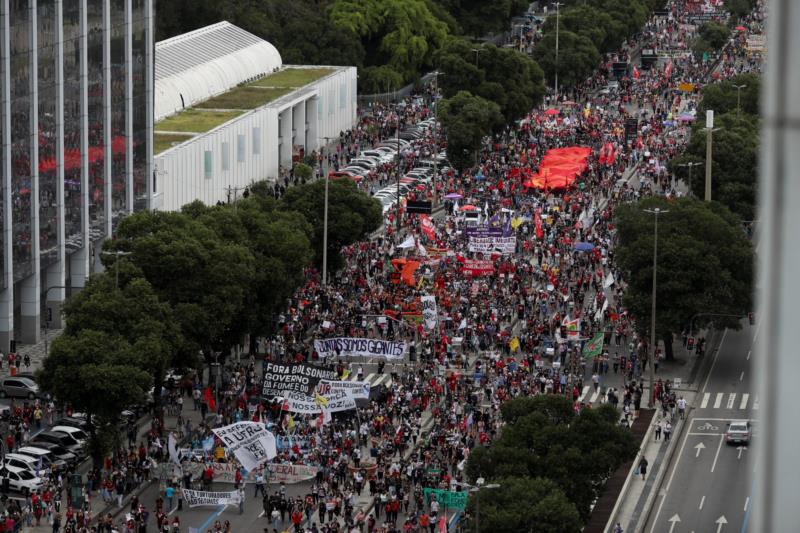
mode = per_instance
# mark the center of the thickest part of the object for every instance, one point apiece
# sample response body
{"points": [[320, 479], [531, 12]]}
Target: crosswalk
{"points": [[587, 397], [373, 379], [729, 400]]}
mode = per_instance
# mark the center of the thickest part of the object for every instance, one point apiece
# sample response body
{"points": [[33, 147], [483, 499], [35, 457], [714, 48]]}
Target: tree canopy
{"points": [[467, 119], [479, 18], [705, 264], [544, 438]]}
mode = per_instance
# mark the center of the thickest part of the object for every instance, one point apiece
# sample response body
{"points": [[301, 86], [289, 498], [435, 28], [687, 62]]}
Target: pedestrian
{"points": [[242, 498], [259, 484], [643, 467], [681, 407], [169, 492], [667, 431], [618, 528], [658, 431]]}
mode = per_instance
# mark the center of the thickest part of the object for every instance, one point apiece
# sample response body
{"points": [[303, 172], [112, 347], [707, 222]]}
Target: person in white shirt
{"points": [[681, 407]]}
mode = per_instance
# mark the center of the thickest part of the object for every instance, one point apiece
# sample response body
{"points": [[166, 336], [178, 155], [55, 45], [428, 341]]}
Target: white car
{"points": [[76, 433], [382, 157], [20, 479]]}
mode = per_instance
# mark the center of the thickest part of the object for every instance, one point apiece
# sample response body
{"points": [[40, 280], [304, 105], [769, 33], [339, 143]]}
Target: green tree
{"points": [[714, 33], [501, 509], [352, 215], [379, 80], [577, 57], [467, 119], [99, 374], [605, 32], [479, 18], [722, 96], [202, 276], [575, 452], [705, 265]]}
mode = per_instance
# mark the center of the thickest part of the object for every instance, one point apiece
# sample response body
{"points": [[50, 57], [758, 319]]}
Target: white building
{"points": [[229, 113]]}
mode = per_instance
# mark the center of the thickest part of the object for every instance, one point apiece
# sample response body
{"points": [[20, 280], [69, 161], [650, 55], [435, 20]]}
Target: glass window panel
{"points": [[208, 165], [256, 141], [96, 117], [73, 198], [240, 148], [47, 134], [226, 156]]}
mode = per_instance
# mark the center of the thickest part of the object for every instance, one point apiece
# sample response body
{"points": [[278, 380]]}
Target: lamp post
{"points": [[690, 165], [558, 4], [397, 171], [117, 254], [709, 129], [480, 483], [477, 51], [653, 342], [325, 226], [738, 98], [435, 134]]}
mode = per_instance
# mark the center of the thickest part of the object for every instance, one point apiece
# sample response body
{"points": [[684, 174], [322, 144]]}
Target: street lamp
{"points": [[690, 166], [480, 483], [558, 4], [435, 134], [709, 129], [117, 254], [653, 342], [738, 98], [325, 225], [477, 51]]}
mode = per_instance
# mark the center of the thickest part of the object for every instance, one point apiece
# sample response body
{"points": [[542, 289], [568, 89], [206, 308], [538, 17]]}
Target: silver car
{"points": [[738, 432], [18, 387]]}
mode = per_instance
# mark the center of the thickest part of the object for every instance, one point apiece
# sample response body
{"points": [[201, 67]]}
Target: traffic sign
{"points": [[448, 499]]}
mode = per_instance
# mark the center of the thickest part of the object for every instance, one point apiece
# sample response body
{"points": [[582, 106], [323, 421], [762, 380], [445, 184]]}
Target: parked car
{"points": [[77, 433], [16, 387], [20, 460], [20, 479], [61, 439], [75, 422], [50, 459], [738, 432]]}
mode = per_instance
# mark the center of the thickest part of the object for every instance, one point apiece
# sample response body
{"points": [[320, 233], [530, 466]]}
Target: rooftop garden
{"points": [[196, 120]]}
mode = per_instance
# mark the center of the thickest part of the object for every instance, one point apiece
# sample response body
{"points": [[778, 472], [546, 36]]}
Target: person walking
{"points": [[667, 431], [169, 493], [643, 467], [260, 484], [681, 407], [658, 431]]}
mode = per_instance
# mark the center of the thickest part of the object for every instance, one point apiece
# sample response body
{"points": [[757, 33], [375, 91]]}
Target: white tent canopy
{"points": [[203, 63]]}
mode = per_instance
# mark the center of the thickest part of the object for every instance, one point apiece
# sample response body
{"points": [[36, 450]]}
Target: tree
{"points": [[575, 452], [99, 374], [352, 215], [502, 508], [467, 119], [479, 18], [715, 34], [202, 276], [379, 80], [577, 57], [605, 32], [705, 265], [722, 96]]}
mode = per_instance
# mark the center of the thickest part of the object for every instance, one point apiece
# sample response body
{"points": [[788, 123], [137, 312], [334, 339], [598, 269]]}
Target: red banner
{"points": [[477, 267], [427, 226]]}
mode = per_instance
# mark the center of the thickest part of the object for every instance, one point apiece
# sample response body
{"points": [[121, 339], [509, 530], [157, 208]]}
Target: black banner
{"points": [[422, 208], [293, 377]]}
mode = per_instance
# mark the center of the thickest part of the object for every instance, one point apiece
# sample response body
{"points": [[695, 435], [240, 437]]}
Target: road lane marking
{"points": [[706, 397], [262, 514], [741, 378], [702, 501], [746, 503], [731, 400], [583, 394], [743, 403], [594, 396], [755, 403], [748, 354], [671, 476], [718, 401], [714, 464], [714, 362]]}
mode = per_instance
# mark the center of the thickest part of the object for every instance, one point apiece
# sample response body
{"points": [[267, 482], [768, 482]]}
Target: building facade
{"points": [[76, 108]]}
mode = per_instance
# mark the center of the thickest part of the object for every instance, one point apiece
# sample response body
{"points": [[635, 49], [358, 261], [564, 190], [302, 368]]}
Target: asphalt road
{"points": [[709, 483]]}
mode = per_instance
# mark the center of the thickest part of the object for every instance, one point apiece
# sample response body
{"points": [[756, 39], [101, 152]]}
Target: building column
{"points": [[54, 297], [129, 200], [299, 125], [285, 133], [31, 287], [7, 292], [79, 260], [108, 153], [312, 119], [150, 168]]}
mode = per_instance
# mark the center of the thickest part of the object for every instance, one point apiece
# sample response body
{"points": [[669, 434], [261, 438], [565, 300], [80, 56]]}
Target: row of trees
{"points": [[186, 286], [550, 463], [735, 145]]}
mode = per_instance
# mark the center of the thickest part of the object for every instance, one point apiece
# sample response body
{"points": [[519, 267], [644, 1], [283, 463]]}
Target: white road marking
{"points": [[746, 503], [743, 403], [731, 400], [702, 501], [718, 401], [714, 464], [262, 514], [706, 397], [699, 447], [758, 328], [671, 477], [583, 394], [741, 378], [755, 403], [594, 396], [748, 354], [714, 362]]}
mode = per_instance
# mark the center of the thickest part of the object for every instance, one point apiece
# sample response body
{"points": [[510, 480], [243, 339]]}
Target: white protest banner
{"points": [[429, 311], [250, 442], [196, 498], [291, 473], [278, 473], [337, 401], [354, 389], [350, 346], [609, 281], [503, 245], [296, 377]]}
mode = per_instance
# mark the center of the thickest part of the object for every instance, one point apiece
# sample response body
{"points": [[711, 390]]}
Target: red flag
{"points": [[635, 73], [602, 158], [209, 398], [538, 225], [611, 154], [668, 69], [427, 226], [443, 525]]}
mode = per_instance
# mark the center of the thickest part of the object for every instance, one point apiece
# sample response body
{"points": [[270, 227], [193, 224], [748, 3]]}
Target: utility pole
{"points": [[477, 51], [117, 254], [325, 227], [709, 140], [690, 166], [738, 98], [558, 4], [435, 134], [653, 341]]}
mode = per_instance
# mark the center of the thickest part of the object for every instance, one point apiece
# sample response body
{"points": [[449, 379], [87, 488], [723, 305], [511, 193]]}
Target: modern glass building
{"points": [[76, 121]]}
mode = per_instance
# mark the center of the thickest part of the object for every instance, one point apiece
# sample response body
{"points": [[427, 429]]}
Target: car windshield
{"points": [[25, 474], [738, 427]]}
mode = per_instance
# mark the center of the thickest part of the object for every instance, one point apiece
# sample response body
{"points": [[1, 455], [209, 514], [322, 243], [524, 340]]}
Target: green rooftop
{"points": [[292, 77], [244, 98], [196, 120], [165, 141]]}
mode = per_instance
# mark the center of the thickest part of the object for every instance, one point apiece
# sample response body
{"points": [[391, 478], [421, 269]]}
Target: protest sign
{"points": [[502, 245], [429, 311], [337, 400], [478, 267], [196, 498], [447, 499], [293, 377], [281, 473], [349, 346], [250, 442], [278, 473], [353, 389]]}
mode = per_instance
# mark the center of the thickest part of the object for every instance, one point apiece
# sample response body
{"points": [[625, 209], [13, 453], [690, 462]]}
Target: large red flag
{"points": [[209, 398], [635, 73], [538, 225], [427, 226]]}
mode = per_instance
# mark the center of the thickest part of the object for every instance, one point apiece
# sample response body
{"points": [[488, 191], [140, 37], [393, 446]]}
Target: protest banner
{"points": [[484, 231], [278, 473], [197, 498], [447, 499], [293, 377], [429, 311], [337, 400], [354, 389], [250, 442], [350, 346], [478, 267], [502, 245], [288, 474]]}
